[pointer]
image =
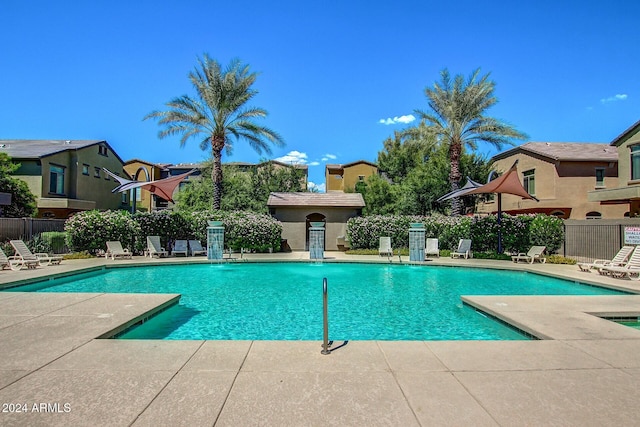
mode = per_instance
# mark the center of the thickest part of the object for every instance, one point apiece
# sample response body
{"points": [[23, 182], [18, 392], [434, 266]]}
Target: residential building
{"points": [[626, 195], [66, 176], [296, 212], [559, 175], [345, 177], [142, 170]]}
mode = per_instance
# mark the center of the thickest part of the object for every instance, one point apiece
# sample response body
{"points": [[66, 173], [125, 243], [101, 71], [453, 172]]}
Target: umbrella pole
{"points": [[499, 223]]}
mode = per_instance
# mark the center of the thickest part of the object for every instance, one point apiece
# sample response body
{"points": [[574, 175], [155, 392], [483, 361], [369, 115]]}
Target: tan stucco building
{"points": [[141, 170], [626, 195], [66, 176], [345, 177], [297, 210], [560, 175]]}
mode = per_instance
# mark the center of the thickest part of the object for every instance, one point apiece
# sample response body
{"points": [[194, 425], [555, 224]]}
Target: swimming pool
{"points": [[283, 301]]}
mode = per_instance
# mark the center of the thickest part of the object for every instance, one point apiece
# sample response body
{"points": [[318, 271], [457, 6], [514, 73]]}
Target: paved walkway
{"points": [[54, 370]]}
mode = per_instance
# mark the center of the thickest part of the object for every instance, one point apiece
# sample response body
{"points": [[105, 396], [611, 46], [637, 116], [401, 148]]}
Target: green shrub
{"points": [[515, 233], [559, 259], [78, 255], [242, 229], [491, 255], [90, 230], [55, 241], [519, 232], [546, 231], [38, 244], [169, 225], [365, 232]]}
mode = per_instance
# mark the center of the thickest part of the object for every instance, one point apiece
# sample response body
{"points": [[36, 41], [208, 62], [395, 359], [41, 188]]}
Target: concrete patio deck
{"points": [[54, 371]]}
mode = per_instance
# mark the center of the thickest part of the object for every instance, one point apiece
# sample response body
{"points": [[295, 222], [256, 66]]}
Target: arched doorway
{"points": [[136, 193], [314, 217]]}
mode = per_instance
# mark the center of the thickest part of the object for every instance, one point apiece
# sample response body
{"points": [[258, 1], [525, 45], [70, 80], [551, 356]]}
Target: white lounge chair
{"points": [[154, 247], [463, 250], [631, 269], [617, 261], [115, 250], [384, 248], [180, 247], [534, 254], [196, 248], [16, 263], [4, 261], [23, 253], [432, 248]]}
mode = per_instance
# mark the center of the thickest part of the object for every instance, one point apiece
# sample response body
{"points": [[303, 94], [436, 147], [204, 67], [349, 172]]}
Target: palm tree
{"points": [[218, 112], [457, 117]]}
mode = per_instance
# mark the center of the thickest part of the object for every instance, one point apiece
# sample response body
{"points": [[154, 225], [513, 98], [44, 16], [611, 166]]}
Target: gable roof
{"points": [[38, 148], [357, 162], [338, 166], [632, 130], [564, 151], [146, 162], [334, 200]]}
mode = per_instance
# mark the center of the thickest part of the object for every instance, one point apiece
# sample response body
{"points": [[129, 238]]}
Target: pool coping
{"points": [[584, 362]]}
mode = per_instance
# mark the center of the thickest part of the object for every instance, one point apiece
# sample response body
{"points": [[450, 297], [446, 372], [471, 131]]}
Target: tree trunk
{"points": [[216, 172], [455, 150]]}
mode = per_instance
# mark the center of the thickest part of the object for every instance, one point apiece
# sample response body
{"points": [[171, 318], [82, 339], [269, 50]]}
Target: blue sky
{"points": [[333, 74]]}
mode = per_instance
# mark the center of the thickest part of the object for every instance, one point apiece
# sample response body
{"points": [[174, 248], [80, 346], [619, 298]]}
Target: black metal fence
{"points": [[586, 240], [26, 228]]}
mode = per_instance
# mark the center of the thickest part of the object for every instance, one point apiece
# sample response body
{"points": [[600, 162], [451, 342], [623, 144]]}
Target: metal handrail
{"points": [[325, 319]]}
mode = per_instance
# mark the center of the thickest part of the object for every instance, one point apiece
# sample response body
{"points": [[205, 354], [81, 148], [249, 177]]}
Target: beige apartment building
{"points": [[345, 177], [66, 176], [142, 170], [626, 195], [560, 175]]}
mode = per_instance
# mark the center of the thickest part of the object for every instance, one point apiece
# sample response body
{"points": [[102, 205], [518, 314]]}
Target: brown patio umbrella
{"points": [[507, 183]]}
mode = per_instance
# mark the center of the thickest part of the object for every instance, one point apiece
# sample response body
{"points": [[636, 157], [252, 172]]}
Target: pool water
{"points": [[283, 301], [634, 324]]}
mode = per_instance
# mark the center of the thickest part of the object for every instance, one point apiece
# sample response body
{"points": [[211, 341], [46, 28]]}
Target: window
{"points": [[635, 162], [125, 198], [529, 183], [96, 172], [85, 169], [102, 150], [361, 178], [594, 215], [599, 177], [56, 179]]}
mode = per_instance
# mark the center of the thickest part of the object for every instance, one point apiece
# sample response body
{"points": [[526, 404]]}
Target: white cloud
{"points": [[327, 157], [394, 121], [293, 157], [617, 97], [314, 163], [321, 188]]}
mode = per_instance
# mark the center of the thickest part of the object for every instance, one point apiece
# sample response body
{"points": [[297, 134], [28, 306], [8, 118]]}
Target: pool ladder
{"points": [[325, 319]]}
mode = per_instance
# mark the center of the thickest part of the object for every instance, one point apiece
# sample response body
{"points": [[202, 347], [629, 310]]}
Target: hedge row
{"points": [[519, 232], [92, 229]]}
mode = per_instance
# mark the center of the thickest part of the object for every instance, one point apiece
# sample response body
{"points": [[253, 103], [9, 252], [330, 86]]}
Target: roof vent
{"points": [[548, 143], [67, 142]]}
